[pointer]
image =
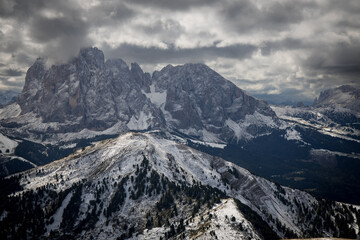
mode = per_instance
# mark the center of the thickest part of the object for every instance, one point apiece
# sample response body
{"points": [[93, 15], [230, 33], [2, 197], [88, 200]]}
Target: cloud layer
{"points": [[279, 50]]}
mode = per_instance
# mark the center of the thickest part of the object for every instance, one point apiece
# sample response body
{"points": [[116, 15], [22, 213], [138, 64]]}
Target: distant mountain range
{"points": [[343, 97], [8, 96], [74, 112]]}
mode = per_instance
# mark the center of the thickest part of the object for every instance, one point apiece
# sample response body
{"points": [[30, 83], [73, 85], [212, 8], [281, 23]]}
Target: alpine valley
{"points": [[95, 149]]}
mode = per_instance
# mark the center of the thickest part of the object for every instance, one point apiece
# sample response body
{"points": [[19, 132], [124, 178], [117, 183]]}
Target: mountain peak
{"points": [[136, 68], [346, 97], [117, 63], [145, 181], [93, 56], [191, 98]]}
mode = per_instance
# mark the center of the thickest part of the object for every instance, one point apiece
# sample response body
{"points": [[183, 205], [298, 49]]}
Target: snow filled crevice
{"points": [[157, 98], [142, 122], [58, 215]]}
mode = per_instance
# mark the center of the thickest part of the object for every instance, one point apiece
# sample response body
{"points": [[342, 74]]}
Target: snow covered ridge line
{"points": [[223, 221], [120, 163], [317, 119]]}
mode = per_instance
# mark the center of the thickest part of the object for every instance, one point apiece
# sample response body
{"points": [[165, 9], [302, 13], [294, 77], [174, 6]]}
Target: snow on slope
{"points": [[157, 98], [140, 123], [315, 119], [58, 216], [340, 99], [224, 221], [233, 225], [7, 145], [12, 110], [292, 134], [110, 159]]}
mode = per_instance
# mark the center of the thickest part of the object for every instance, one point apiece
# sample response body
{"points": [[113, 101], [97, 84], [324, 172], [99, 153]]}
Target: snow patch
{"points": [[71, 145], [10, 111], [58, 215], [238, 130], [210, 144], [157, 98], [7, 146], [292, 134], [3, 215], [225, 223], [140, 123]]}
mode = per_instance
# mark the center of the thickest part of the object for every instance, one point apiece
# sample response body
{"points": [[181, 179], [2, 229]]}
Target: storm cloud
{"points": [[279, 50], [171, 54]]}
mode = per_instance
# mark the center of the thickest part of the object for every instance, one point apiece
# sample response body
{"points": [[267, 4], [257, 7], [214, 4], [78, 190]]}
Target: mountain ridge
{"points": [[111, 177], [345, 96], [95, 94]]}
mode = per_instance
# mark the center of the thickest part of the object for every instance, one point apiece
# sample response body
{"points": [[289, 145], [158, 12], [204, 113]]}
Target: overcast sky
{"points": [[281, 50]]}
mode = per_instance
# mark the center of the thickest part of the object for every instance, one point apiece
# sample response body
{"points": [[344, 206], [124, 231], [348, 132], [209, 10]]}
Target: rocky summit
{"points": [[88, 92], [94, 94], [346, 97]]}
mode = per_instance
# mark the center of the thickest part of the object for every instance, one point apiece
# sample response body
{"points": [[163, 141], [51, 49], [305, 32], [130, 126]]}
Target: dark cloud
{"points": [[308, 44], [246, 16], [161, 26], [23, 59], [269, 47], [57, 25], [12, 83], [10, 42], [172, 4], [44, 29], [348, 6], [341, 59], [167, 30], [6, 7], [12, 72], [153, 55], [110, 13]]}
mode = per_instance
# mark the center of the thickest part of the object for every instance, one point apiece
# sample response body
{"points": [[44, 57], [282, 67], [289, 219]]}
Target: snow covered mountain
{"points": [[90, 94], [345, 96], [336, 112], [329, 132], [87, 93], [142, 186], [199, 102], [88, 99]]}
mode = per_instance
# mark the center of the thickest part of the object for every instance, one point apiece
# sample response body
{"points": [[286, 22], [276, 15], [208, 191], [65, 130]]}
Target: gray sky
{"points": [[281, 50]]}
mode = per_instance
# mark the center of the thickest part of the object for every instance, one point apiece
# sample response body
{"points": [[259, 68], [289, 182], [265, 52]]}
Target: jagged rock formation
{"points": [[89, 93], [204, 104], [345, 96]]}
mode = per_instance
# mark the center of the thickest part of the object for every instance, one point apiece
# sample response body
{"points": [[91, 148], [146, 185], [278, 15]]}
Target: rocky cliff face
{"points": [[202, 103], [346, 97], [89, 93]]}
